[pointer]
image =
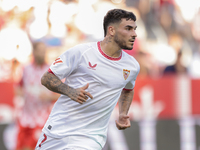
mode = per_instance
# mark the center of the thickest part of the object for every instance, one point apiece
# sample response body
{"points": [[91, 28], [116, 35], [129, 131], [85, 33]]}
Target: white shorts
{"points": [[68, 143]]}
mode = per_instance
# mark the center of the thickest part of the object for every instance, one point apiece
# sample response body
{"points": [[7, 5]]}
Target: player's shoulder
{"points": [[78, 49], [131, 60]]}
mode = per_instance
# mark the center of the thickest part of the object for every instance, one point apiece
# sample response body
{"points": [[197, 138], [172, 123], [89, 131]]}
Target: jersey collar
{"points": [[104, 54]]}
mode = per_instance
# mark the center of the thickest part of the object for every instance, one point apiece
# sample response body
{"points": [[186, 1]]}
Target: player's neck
{"points": [[110, 48]]}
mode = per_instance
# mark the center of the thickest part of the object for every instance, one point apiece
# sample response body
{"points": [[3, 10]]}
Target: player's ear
{"points": [[111, 30]]}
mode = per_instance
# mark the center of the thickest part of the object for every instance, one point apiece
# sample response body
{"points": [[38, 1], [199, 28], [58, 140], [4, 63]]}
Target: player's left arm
{"points": [[124, 104]]}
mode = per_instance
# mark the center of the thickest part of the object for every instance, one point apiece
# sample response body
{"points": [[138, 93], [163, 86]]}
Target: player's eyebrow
{"points": [[135, 28], [130, 27]]}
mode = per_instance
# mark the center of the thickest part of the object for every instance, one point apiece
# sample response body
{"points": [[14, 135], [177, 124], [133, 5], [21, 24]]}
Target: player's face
{"points": [[39, 53], [125, 34]]}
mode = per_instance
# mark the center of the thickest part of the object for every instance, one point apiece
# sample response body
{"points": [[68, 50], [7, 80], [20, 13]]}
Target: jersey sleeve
{"points": [[131, 84], [66, 63]]}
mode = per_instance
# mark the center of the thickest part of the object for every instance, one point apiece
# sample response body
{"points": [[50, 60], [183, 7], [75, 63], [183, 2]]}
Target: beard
{"points": [[121, 43]]}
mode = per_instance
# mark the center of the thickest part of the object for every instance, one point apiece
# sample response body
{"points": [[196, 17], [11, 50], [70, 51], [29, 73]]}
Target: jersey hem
{"points": [[128, 89], [60, 137], [50, 71]]}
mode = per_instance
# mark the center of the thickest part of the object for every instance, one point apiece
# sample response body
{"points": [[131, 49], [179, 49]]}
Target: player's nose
{"points": [[134, 34]]}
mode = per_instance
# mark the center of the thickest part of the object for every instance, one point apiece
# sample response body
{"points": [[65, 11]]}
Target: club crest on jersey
{"points": [[126, 73], [58, 60], [92, 66]]}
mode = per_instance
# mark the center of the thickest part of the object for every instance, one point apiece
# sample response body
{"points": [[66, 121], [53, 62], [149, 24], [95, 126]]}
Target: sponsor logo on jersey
{"points": [[92, 66], [58, 60], [126, 73]]}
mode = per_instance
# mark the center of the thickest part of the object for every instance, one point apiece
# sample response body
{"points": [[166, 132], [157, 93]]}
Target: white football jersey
{"points": [[107, 77]]}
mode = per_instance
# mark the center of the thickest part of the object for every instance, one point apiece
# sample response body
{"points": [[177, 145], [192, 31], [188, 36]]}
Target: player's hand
{"points": [[123, 122], [80, 95]]}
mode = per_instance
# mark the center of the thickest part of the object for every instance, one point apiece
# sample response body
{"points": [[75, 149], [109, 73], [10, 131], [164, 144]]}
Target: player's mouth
{"points": [[132, 41]]}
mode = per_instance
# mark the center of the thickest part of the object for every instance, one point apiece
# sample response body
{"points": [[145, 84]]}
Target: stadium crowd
{"points": [[165, 30]]}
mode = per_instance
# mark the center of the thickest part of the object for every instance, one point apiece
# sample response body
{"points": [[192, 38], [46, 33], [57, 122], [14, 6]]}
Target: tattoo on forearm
{"points": [[54, 84], [125, 101]]}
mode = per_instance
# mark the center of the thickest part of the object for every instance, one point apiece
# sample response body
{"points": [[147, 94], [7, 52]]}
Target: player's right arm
{"points": [[53, 83]]}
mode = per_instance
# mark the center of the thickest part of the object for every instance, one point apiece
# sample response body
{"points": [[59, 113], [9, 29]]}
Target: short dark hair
{"points": [[116, 16]]}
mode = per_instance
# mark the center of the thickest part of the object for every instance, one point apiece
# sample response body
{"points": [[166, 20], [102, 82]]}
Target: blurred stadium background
{"points": [[165, 111]]}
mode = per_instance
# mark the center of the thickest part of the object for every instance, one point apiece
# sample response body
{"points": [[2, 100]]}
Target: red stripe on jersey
{"points": [[45, 138], [108, 57], [49, 70], [127, 89]]}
